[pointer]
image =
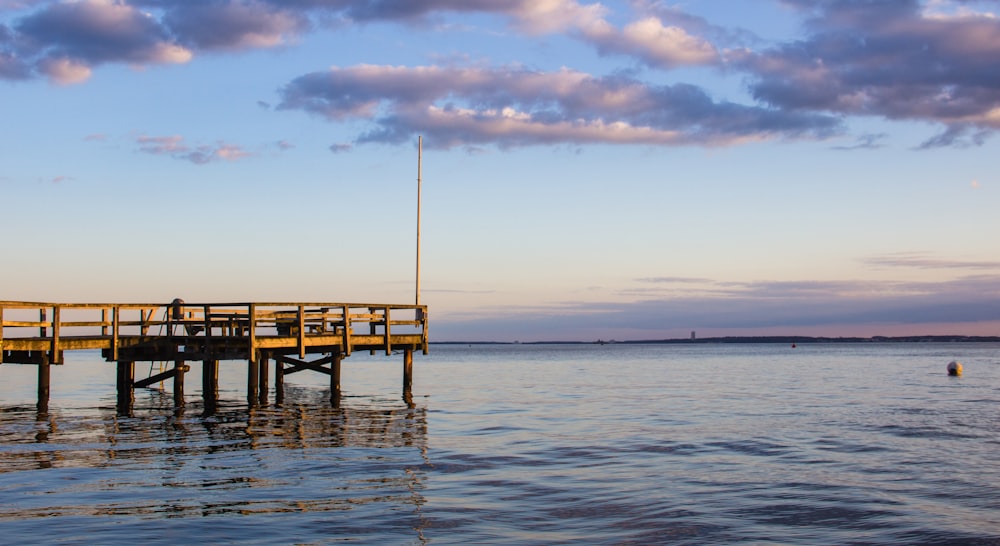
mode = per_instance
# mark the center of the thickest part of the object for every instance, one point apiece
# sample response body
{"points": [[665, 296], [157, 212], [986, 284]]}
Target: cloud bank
{"points": [[518, 107], [865, 308], [930, 61]]}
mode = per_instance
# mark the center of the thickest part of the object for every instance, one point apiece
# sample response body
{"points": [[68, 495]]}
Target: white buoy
{"points": [[954, 368]]}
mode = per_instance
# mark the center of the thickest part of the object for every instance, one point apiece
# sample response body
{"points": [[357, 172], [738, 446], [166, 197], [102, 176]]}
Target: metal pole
{"points": [[420, 150]]}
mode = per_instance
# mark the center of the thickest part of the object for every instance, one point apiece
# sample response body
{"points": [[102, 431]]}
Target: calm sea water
{"points": [[526, 444]]}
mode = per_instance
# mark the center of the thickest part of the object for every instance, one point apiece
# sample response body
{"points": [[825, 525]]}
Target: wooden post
{"points": [[263, 382], [126, 394], [210, 384], [335, 378], [302, 332], [407, 371], [1, 335], [43, 383], [253, 377], [279, 378], [252, 330], [55, 351], [388, 333], [179, 368], [115, 312]]}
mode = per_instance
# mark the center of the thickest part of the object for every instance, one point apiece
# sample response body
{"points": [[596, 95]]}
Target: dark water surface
{"points": [[525, 444]]}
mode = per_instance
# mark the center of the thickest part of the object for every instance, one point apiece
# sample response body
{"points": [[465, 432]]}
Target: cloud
{"points": [[674, 280], [232, 25], [655, 44], [65, 40], [928, 61], [512, 106], [533, 16], [865, 142], [891, 59], [923, 261], [175, 147]]}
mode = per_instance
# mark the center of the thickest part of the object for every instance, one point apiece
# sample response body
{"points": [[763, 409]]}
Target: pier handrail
{"points": [[56, 324]]}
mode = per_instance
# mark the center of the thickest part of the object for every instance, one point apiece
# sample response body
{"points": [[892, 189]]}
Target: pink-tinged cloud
{"points": [[174, 146], [512, 106], [65, 40], [894, 60], [654, 43]]}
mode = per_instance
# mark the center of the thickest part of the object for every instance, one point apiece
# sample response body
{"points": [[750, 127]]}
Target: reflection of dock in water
{"points": [[306, 421], [305, 461], [288, 334]]}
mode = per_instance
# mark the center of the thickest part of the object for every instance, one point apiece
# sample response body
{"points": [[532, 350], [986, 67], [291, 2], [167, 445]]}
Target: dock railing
{"points": [[30, 331]]}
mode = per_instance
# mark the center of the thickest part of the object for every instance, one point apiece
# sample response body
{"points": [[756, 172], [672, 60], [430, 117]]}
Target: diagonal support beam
{"points": [[158, 377]]}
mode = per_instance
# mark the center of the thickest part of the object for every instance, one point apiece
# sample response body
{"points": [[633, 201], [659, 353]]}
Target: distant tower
{"points": [[692, 335]]}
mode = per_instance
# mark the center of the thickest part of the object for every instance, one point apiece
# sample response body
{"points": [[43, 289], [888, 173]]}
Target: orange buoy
{"points": [[955, 368]]}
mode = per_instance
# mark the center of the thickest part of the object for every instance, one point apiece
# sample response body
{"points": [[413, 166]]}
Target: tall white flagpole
{"points": [[420, 151]]}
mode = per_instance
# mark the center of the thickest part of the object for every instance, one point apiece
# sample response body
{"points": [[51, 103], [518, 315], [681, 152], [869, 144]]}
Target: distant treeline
{"points": [[759, 339], [808, 339]]}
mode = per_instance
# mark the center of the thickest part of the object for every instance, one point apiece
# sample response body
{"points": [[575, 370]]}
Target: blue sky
{"points": [[617, 170]]}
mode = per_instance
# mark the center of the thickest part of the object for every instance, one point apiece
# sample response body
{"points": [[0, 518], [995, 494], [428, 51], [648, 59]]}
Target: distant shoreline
{"points": [[748, 339]]}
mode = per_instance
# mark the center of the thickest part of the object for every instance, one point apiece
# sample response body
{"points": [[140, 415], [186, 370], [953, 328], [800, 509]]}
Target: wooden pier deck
{"points": [[257, 333]]}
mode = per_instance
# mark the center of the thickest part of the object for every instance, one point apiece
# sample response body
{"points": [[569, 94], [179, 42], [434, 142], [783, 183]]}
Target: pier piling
{"points": [[407, 370], [253, 382], [44, 374], [262, 383], [126, 382], [210, 384], [179, 368], [336, 357]]}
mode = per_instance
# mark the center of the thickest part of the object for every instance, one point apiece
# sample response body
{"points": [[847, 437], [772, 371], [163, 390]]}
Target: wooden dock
{"points": [[295, 336]]}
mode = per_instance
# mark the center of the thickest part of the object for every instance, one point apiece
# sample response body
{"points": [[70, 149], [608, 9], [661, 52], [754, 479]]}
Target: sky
{"points": [[628, 170]]}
